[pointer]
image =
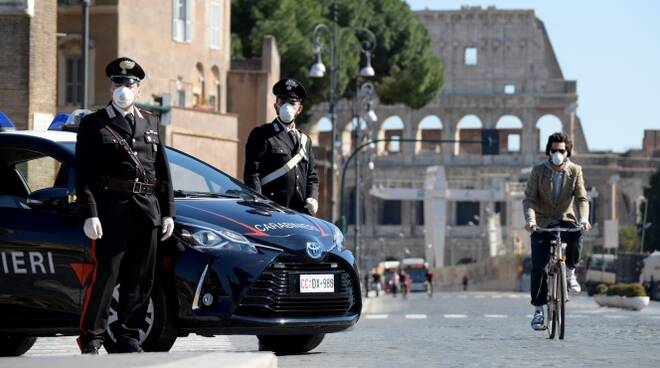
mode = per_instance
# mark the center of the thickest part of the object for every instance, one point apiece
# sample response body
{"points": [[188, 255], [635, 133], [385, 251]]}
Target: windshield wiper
{"points": [[186, 193], [243, 195]]}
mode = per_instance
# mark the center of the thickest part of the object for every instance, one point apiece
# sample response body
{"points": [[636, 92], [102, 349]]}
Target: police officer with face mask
{"points": [[279, 162], [124, 190]]}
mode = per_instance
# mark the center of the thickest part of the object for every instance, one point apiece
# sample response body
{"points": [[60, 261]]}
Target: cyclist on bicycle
{"points": [[429, 281], [553, 188]]}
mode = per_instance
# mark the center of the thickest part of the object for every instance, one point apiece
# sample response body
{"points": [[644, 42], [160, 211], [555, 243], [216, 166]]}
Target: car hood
{"points": [[261, 221]]}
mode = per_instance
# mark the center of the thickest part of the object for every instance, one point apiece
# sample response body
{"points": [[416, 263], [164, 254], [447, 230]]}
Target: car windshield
{"points": [[194, 178], [416, 274]]}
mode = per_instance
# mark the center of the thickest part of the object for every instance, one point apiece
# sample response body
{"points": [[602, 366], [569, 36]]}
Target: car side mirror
{"points": [[50, 198]]}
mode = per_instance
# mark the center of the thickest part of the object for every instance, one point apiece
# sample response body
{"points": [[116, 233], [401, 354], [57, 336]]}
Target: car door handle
{"points": [[5, 231]]}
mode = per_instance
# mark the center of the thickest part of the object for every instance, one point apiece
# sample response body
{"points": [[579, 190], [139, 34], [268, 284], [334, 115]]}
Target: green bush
{"points": [[601, 289], [628, 290], [614, 290], [635, 290]]}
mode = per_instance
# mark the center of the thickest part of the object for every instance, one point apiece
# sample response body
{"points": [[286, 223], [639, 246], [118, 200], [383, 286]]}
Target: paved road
{"points": [[471, 329]]}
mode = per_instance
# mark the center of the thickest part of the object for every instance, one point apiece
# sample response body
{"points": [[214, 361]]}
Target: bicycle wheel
{"points": [[552, 306], [561, 300]]}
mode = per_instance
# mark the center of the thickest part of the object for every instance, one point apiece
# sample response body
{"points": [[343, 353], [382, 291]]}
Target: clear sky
{"points": [[612, 49]]}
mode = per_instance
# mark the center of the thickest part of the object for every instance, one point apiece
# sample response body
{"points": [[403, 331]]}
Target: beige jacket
{"points": [[538, 203]]}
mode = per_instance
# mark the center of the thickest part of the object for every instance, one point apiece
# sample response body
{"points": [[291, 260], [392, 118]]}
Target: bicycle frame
{"points": [[556, 280]]}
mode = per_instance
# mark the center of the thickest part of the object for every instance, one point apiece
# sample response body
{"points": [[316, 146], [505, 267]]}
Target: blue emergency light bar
{"points": [[68, 122], [5, 123], [58, 122]]}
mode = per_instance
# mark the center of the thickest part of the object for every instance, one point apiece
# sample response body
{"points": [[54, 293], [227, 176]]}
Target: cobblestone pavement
{"points": [[472, 329]]}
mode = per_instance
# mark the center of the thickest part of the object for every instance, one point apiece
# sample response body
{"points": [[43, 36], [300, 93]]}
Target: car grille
{"points": [[276, 292]]}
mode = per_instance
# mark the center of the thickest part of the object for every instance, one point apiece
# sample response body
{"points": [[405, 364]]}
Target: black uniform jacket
{"points": [[100, 157], [268, 148]]}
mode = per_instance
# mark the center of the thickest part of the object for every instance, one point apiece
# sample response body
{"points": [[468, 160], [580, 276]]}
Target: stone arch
{"points": [[430, 127], [510, 129], [468, 128], [199, 86], [215, 89], [546, 125], [323, 125], [348, 136], [392, 127], [322, 131]]}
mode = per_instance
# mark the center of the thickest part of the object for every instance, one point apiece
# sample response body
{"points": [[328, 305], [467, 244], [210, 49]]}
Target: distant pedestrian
{"points": [[465, 282]]}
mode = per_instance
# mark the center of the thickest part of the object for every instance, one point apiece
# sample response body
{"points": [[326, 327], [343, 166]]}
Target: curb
{"points": [[150, 360]]}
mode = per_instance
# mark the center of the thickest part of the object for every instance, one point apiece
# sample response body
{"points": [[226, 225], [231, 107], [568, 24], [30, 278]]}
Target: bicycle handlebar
{"points": [[556, 229]]}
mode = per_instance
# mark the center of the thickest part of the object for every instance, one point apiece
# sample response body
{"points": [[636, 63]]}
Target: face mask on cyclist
{"points": [[557, 158]]}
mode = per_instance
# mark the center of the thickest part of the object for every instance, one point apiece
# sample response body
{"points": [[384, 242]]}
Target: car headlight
{"points": [[206, 238], [337, 238]]}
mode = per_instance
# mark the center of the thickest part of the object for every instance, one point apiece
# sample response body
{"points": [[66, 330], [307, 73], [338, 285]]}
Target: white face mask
{"points": [[287, 113], [557, 158], [123, 97]]}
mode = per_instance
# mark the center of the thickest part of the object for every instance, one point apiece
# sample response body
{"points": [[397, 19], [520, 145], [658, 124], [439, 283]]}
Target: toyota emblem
{"points": [[314, 250]]}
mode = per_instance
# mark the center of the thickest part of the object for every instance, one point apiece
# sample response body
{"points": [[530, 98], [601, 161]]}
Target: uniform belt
{"points": [[135, 187]]}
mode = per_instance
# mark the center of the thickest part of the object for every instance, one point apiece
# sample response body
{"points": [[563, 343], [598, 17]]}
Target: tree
{"points": [[406, 70], [652, 194]]}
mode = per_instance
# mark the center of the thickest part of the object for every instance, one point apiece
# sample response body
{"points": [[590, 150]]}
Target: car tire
{"points": [[15, 345], [591, 289], [163, 332], [289, 344]]}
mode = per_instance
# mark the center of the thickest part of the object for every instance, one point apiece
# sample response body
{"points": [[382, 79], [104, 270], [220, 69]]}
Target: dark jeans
{"points": [[541, 255]]}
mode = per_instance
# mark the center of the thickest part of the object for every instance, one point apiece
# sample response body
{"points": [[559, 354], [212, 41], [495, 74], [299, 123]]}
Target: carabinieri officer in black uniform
{"points": [[279, 162], [124, 189]]}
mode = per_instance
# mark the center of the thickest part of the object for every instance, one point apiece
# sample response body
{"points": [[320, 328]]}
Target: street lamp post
{"points": [[85, 53], [643, 199], [318, 71], [362, 103]]}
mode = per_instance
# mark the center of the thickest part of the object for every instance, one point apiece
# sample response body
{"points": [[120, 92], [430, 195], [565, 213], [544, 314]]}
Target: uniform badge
{"points": [[126, 64], [290, 83]]}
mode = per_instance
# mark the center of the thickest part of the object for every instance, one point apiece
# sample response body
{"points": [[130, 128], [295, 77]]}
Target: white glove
{"points": [[93, 228], [312, 205], [530, 226], [168, 227]]}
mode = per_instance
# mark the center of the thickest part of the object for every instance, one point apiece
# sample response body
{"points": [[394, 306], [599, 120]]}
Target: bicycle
{"points": [[556, 281]]}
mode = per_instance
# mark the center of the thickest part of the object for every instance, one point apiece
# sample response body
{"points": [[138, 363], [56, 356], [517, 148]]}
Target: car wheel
{"points": [[591, 289], [158, 332], [289, 344], [15, 345]]}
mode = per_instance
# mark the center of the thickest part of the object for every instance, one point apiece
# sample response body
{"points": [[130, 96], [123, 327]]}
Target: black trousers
{"points": [[541, 255], [125, 255]]}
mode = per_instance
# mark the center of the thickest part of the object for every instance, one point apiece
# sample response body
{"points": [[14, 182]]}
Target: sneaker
{"points": [[538, 322], [90, 350], [573, 285]]}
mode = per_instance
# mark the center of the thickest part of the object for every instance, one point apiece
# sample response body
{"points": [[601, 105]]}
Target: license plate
{"points": [[317, 283]]}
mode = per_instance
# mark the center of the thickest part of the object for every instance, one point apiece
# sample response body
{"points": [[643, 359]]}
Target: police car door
{"points": [[41, 241]]}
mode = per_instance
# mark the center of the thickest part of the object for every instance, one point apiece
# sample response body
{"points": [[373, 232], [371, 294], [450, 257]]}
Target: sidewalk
{"points": [[151, 360]]}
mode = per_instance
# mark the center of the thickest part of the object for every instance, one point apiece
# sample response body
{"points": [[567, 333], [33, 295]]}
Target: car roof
{"points": [[409, 261], [51, 135]]}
